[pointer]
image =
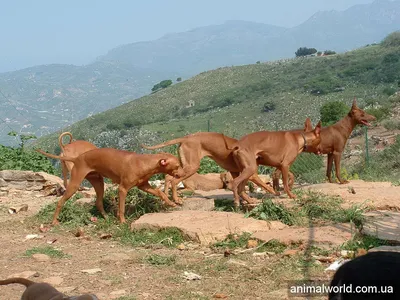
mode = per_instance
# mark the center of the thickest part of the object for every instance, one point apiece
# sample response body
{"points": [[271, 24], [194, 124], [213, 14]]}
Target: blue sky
{"points": [[78, 31]]}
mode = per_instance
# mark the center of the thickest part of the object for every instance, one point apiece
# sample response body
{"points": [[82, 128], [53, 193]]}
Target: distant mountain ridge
{"points": [[49, 97]]}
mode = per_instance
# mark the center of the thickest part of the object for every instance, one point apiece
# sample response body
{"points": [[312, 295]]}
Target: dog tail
{"points": [[24, 281], [67, 158], [168, 143], [60, 139]]}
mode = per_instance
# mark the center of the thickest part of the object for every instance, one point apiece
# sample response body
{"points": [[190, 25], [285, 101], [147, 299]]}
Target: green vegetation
{"points": [[48, 250], [159, 260], [162, 85], [304, 51], [233, 98], [333, 111], [392, 40], [364, 242]]}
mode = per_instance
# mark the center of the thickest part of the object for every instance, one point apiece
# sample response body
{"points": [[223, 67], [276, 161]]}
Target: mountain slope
{"points": [[236, 100]]}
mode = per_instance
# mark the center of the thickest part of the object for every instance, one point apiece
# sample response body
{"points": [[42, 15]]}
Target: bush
{"points": [[333, 111], [322, 84], [162, 85], [269, 106], [21, 159], [207, 165], [392, 40], [329, 52], [379, 113], [304, 51], [389, 91]]}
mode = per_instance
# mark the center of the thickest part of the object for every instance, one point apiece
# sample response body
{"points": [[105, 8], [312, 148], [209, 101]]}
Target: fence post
{"points": [[276, 126], [208, 125], [366, 147]]}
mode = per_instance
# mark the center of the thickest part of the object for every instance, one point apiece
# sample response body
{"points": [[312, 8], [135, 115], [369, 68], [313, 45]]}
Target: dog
{"points": [[277, 149], [375, 269], [202, 182], [43, 291], [73, 149], [195, 146], [125, 168]]}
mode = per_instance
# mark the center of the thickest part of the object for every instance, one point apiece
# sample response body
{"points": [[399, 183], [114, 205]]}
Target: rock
{"points": [[181, 247], [220, 296], [347, 254], [191, 276], [53, 280], [323, 259], [195, 203], [25, 274], [28, 180], [330, 235], [385, 248], [91, 271], [205, 227], [17, 209], [290, 252], [40, 257], [117, 294], [237, 262], [84, 201], [384, 225], [33, 236], [252, 243]]}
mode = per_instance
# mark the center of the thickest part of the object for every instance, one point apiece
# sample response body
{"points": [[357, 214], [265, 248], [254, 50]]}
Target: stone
{"points": [[28, 180], [40, 257], [205, 227], [56, 280], [384, 225], [117, 294], [196, 203], [91, 271], [25, 274], [252, 243]]}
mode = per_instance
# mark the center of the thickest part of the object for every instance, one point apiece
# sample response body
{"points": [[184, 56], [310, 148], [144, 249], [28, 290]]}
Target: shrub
{"points": [[389, 91], [329, 52], [392, 40], [322, 84], [162, 85], [379, 113], [304, 51], [269, 106], [333, 111], [207, 165]]}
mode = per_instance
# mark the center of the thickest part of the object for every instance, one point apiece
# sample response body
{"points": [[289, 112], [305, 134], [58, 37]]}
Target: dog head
{"points": [[169, 164], [227, 178], [359, 116], [312, 138]]}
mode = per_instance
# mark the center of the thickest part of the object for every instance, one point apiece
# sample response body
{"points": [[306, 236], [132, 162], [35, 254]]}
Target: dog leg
{"points": [[122, 191], [329, 167], [98, 184], [146, 187], [337, 158], [64, 170], [73, 186], [285, 179], [257, 180]]}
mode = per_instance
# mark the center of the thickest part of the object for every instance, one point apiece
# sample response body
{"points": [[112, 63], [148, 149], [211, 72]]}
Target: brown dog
{"points": [[334, 138], [195, 146], [128, 169], [43, 291], [276, 175], [202, 182], [72, 149], [277, 149]]}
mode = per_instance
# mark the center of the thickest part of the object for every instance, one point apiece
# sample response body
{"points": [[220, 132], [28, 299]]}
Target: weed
{"points": [[48, 250], [363, 241], [269, 211], [160, 260], [169, 237]]}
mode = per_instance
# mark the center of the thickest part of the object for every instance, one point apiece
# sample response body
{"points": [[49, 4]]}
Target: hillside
{"points": [[233, 98], [46, 98]]}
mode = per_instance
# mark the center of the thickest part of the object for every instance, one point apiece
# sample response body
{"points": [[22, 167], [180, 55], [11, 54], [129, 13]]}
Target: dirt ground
{"points": [[126, 274]]}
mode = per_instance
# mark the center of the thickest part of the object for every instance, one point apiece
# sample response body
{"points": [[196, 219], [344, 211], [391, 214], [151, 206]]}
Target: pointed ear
{"points": [[308, 125], [163, 162], [354, 105], [318, 128]]}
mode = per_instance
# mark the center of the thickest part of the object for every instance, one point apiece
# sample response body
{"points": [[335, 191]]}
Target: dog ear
{"points": [[308, 125], [318, 128], [354, 105], [163, 162]]}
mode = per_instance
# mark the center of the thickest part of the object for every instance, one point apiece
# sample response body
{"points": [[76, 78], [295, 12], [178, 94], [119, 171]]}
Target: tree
{"points": [[162, 85], [304, 51], [392, 40], [333, 111], [268, 106], [179, 79], [329, 52]]}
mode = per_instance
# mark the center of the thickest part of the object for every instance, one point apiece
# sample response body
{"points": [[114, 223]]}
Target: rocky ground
{"points": [[114, 270]]}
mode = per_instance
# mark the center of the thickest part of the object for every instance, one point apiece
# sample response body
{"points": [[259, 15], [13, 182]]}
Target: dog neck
{"points": [[305, 142]]}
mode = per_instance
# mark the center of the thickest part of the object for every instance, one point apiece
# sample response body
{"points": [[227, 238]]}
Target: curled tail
{"points": [[24, 281], [60, 138], [67, 158], [168, 143]]}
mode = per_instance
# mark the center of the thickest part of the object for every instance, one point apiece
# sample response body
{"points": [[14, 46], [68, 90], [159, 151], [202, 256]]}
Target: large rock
{"points": [[384, 225], [205, 226], [29, 180], [195, 203], [331, 235]]}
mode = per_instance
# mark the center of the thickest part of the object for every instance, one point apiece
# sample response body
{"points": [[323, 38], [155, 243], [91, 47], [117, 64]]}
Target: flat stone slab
{"points": [[377, 195], [205, 227], [332, 234], [196, 203], [384, 225], [215, 194]]}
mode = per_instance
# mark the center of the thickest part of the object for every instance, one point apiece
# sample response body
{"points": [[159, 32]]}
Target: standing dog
{"points": [[277, 149], [43, 291], [72, 149], [128, 169]]}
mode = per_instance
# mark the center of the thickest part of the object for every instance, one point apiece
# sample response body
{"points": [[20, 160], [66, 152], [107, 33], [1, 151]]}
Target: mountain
{"points": [[242, 99], [46, 98]]}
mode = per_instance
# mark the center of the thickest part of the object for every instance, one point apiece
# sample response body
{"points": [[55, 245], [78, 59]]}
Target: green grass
{"points": [[160, 260], [48, 250], [233, 97], [364, 241]]}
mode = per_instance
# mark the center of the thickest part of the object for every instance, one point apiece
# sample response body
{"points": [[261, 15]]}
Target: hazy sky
{"points": [[77, 31]]}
